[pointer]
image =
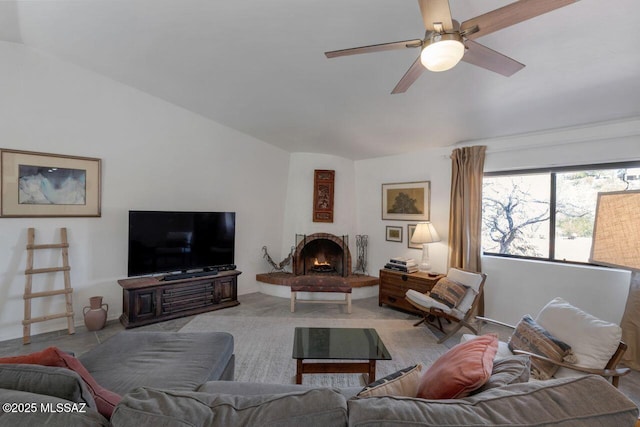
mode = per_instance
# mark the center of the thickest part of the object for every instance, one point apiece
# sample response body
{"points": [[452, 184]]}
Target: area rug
{"points": [[263, 346]]}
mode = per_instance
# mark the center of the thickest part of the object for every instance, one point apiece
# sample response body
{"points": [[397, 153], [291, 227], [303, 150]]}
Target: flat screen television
{"points": [[163, 242]]}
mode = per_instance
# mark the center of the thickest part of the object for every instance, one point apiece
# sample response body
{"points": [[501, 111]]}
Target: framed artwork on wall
{"points": [[394, 234], [410, 229], [323, 184], [48, 185], [408, 201]]}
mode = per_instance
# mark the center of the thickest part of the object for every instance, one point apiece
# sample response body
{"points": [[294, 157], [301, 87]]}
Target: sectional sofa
{"points": [[175, 379]]}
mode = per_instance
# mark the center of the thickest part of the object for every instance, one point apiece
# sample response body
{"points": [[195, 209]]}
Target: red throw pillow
{"points": [[460, 370], [105, 400]]}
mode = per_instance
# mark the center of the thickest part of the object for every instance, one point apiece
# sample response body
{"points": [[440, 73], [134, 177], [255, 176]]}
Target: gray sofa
{"points": [[165, 385], [122, 364]]}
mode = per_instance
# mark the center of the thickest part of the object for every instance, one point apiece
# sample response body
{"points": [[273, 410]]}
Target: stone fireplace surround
{"points": [[328, 250]]}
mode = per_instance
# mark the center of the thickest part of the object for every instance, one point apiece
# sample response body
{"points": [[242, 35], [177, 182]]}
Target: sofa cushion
{"points": [[508, 370], [60, 412], [47, 380], [593, 340], [462, 369], [531, 337], [244, 388], [171, 360], [158, 408], [404, 382], [105, 400], [585, 402]]}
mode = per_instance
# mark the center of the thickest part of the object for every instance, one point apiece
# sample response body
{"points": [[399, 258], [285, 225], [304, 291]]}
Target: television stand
{"points": [[187, 275], [148, 300]]}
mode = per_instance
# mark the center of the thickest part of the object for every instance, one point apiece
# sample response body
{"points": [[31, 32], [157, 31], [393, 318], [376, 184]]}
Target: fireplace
{"points": [[322, 253]]}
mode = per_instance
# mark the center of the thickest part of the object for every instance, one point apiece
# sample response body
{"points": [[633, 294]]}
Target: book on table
{"points": [[403, 261], [406, 265]]}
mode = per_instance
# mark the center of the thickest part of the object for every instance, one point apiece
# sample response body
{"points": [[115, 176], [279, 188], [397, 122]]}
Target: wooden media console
{"points": [[148, 300]]}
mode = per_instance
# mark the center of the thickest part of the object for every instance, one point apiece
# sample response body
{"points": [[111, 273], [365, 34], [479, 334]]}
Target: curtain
{"points": [[465, 217]]}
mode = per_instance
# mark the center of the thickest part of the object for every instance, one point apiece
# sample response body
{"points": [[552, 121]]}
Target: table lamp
{"points": [[424, 234]]}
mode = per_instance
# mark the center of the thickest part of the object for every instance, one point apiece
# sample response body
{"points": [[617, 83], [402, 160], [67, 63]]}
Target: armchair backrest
{"points": [[475, 281], [592, 340]]}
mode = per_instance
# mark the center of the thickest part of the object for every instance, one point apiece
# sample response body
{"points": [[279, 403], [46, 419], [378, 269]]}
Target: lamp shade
{"points": [[442, 52], [425, 232], [616, 233]]}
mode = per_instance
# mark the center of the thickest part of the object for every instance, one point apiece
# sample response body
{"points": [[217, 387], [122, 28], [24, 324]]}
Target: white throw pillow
{"points": [[593, 340]]}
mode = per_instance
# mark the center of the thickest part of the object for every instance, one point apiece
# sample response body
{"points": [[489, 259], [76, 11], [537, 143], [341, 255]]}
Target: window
{"points": [[548, 214]]}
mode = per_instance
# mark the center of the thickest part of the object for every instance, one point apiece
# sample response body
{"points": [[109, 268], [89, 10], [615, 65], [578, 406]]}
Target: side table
{"points": [[394, 284]]}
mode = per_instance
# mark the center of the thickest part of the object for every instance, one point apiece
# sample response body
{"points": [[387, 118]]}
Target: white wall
{"points": [[155, 156], [517, 287], [427, 165], [514, 287], [299, 206]]}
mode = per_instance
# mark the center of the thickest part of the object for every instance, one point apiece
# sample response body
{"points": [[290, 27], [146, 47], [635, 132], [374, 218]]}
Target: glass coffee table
{"points": [[333, 350]]}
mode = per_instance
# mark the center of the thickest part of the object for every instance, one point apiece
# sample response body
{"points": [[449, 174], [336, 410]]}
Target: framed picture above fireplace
{"points": [[407, 201]]}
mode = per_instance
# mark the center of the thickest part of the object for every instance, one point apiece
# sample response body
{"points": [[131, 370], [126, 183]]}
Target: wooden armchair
{"points": [[460, 312], [610, 370]]}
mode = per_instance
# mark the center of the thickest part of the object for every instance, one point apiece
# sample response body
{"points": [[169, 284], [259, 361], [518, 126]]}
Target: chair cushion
{"points": [[448, 292], [529, 336], [593, 340], [401, 383], [425, 301], [461, 370]]}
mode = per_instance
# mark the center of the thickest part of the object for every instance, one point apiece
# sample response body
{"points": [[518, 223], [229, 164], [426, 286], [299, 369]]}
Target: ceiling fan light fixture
{"points": [[442, 52]]}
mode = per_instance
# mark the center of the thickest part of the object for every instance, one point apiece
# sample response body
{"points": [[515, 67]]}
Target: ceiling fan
{"points": [[446, 42]]}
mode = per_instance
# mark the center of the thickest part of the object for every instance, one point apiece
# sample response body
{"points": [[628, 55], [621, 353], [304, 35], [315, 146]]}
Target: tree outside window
{"points": [[548, 214]]}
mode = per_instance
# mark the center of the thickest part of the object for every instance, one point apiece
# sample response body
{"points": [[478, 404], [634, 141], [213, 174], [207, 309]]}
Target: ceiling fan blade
{"points": [[409, 77], [434, 11], [374, 48], [511, 14], [484, 57]]}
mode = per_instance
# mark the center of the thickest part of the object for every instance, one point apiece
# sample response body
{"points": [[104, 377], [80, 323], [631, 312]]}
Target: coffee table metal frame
{"points": [[337, 359]]}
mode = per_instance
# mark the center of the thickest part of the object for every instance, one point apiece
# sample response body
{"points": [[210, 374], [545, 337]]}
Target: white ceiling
{"points": [[258, 67]]}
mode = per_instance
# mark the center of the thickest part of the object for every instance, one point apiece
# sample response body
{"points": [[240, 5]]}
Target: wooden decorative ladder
{"points": [[29, 295]]}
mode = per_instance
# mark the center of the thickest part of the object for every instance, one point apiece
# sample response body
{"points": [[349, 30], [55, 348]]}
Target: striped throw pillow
{"points": [[448, 292], [531, 337]]}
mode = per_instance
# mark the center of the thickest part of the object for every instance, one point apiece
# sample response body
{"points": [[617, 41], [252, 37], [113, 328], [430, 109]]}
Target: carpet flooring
{"points": [[263, 346]]}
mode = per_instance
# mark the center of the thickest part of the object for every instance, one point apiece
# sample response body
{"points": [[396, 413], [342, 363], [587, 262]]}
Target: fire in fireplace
{"points": [[322, 267]]}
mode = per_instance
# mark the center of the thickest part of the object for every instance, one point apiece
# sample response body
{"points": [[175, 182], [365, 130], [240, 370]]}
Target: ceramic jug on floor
{"points": [[95, 316]]}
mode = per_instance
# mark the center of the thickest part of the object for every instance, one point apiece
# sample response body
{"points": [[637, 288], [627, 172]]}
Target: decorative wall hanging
{"points": [[394, 234], [48, 185], [323, 183], [407, 201]]}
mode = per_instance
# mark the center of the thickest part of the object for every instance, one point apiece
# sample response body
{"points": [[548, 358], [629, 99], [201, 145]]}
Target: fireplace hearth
{"points": [[324, 255]]}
